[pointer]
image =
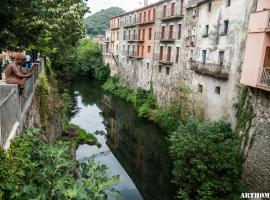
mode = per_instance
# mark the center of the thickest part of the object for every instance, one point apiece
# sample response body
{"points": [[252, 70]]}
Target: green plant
{"points": [[206, 159], [102, 73], [142, 100], [34, 169]]}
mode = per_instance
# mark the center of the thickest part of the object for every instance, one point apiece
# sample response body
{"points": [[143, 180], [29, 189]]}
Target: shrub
{"points": [[207, 163], [142, 100], [34, 169], [102, 73], [166, 118]]}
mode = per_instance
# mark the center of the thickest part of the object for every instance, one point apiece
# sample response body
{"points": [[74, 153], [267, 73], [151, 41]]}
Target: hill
{"points": [[98, 23]]}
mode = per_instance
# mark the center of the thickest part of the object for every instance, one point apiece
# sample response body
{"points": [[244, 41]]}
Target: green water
{"points": [[132, 147]]}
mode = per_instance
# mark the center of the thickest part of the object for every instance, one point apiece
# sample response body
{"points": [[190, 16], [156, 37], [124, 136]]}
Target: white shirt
{"points": [[28, 58]]}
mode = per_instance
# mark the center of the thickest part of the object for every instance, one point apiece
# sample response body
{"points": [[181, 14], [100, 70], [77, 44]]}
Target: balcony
{"points": [[171, 14], [264, 79], [166, 37], [163, 59], [259, 22], [132, 38], [115, 26], [216, 70], [129, 24], [145, 22], [129, 54]]}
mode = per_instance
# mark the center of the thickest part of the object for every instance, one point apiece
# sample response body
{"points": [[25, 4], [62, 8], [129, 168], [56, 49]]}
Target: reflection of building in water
{"points": [[140, 147]]}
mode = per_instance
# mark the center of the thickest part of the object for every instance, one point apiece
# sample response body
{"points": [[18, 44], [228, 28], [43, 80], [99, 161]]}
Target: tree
{"points": [[207, 162], [97, 23]]}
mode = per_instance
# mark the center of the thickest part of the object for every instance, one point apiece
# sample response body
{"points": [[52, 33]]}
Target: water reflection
{"points": [[138, 146]]}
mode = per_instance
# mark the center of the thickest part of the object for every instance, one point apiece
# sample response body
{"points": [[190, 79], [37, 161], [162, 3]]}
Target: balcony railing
{"points": [[132, 38], [264, 79], [163, 59], [167, 36], [115, 26], [216, 70], [130, 23], [170, 14], [145, 21]]}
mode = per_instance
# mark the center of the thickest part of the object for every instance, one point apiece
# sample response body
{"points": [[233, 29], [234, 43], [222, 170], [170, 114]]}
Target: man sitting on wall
{"points": [[15, 74]]}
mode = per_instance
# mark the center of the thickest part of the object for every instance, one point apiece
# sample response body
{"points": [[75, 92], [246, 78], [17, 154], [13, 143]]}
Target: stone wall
{"points": [[256, 171]]}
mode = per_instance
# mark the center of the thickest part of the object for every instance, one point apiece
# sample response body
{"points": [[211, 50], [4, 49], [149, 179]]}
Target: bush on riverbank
{"points": [[88, 61], [34, 169], [207, 162], [206, 157], [142, 100]]}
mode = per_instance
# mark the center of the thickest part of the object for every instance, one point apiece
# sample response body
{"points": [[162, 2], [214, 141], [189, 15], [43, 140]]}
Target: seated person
{"points": [[14, 73]]}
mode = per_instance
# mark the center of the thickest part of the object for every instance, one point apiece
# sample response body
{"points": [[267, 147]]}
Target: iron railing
{"points": [[13, 106], [166, 36], [264, 79], [216, 70], [171, 13]]}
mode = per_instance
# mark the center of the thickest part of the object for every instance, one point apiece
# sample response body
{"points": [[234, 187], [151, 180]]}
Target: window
{"points": [[138, 51], [206, 31], [150, 33], [139, 34], [169, 54], [171, 32], [177, 54], [132, 61], [164, 11], [159, 68], [124, 38], [149, 49], [172, 9], [226, 26], [154, 14], [129, 35], [179, 31], [162, 32], [127, 61], [167, 70], [140, 20], [203, 56], [147, 65], [200, 88], [221, 58], [144, 16], [228, 3], [143, 34], [209, 6], [217, 90], [124, 47], [149, 15], [161, 53], [142, 51]]}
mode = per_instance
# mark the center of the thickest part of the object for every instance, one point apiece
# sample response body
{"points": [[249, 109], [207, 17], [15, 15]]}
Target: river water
{"points": [[132, 147]]}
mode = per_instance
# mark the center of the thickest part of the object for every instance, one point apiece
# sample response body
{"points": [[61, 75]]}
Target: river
{"points": [[132, 147]]}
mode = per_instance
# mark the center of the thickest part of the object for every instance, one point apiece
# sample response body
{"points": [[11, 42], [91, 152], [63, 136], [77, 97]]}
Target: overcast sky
{"points": [[127, 5]]}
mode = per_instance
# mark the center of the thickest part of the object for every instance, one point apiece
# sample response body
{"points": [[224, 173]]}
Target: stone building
{"points": [[206, 44], [256, 75]]}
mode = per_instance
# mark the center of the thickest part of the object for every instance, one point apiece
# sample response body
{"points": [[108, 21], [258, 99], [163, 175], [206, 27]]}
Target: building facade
{"points": [[215, 47]]}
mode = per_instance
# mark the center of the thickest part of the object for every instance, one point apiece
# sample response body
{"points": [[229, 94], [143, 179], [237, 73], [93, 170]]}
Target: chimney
{"points": [[145, 2]]}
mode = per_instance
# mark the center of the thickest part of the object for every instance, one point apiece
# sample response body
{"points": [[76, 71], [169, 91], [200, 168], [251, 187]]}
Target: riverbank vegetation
{"points": [[35, 169], [206, 158], [88, 61]]}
